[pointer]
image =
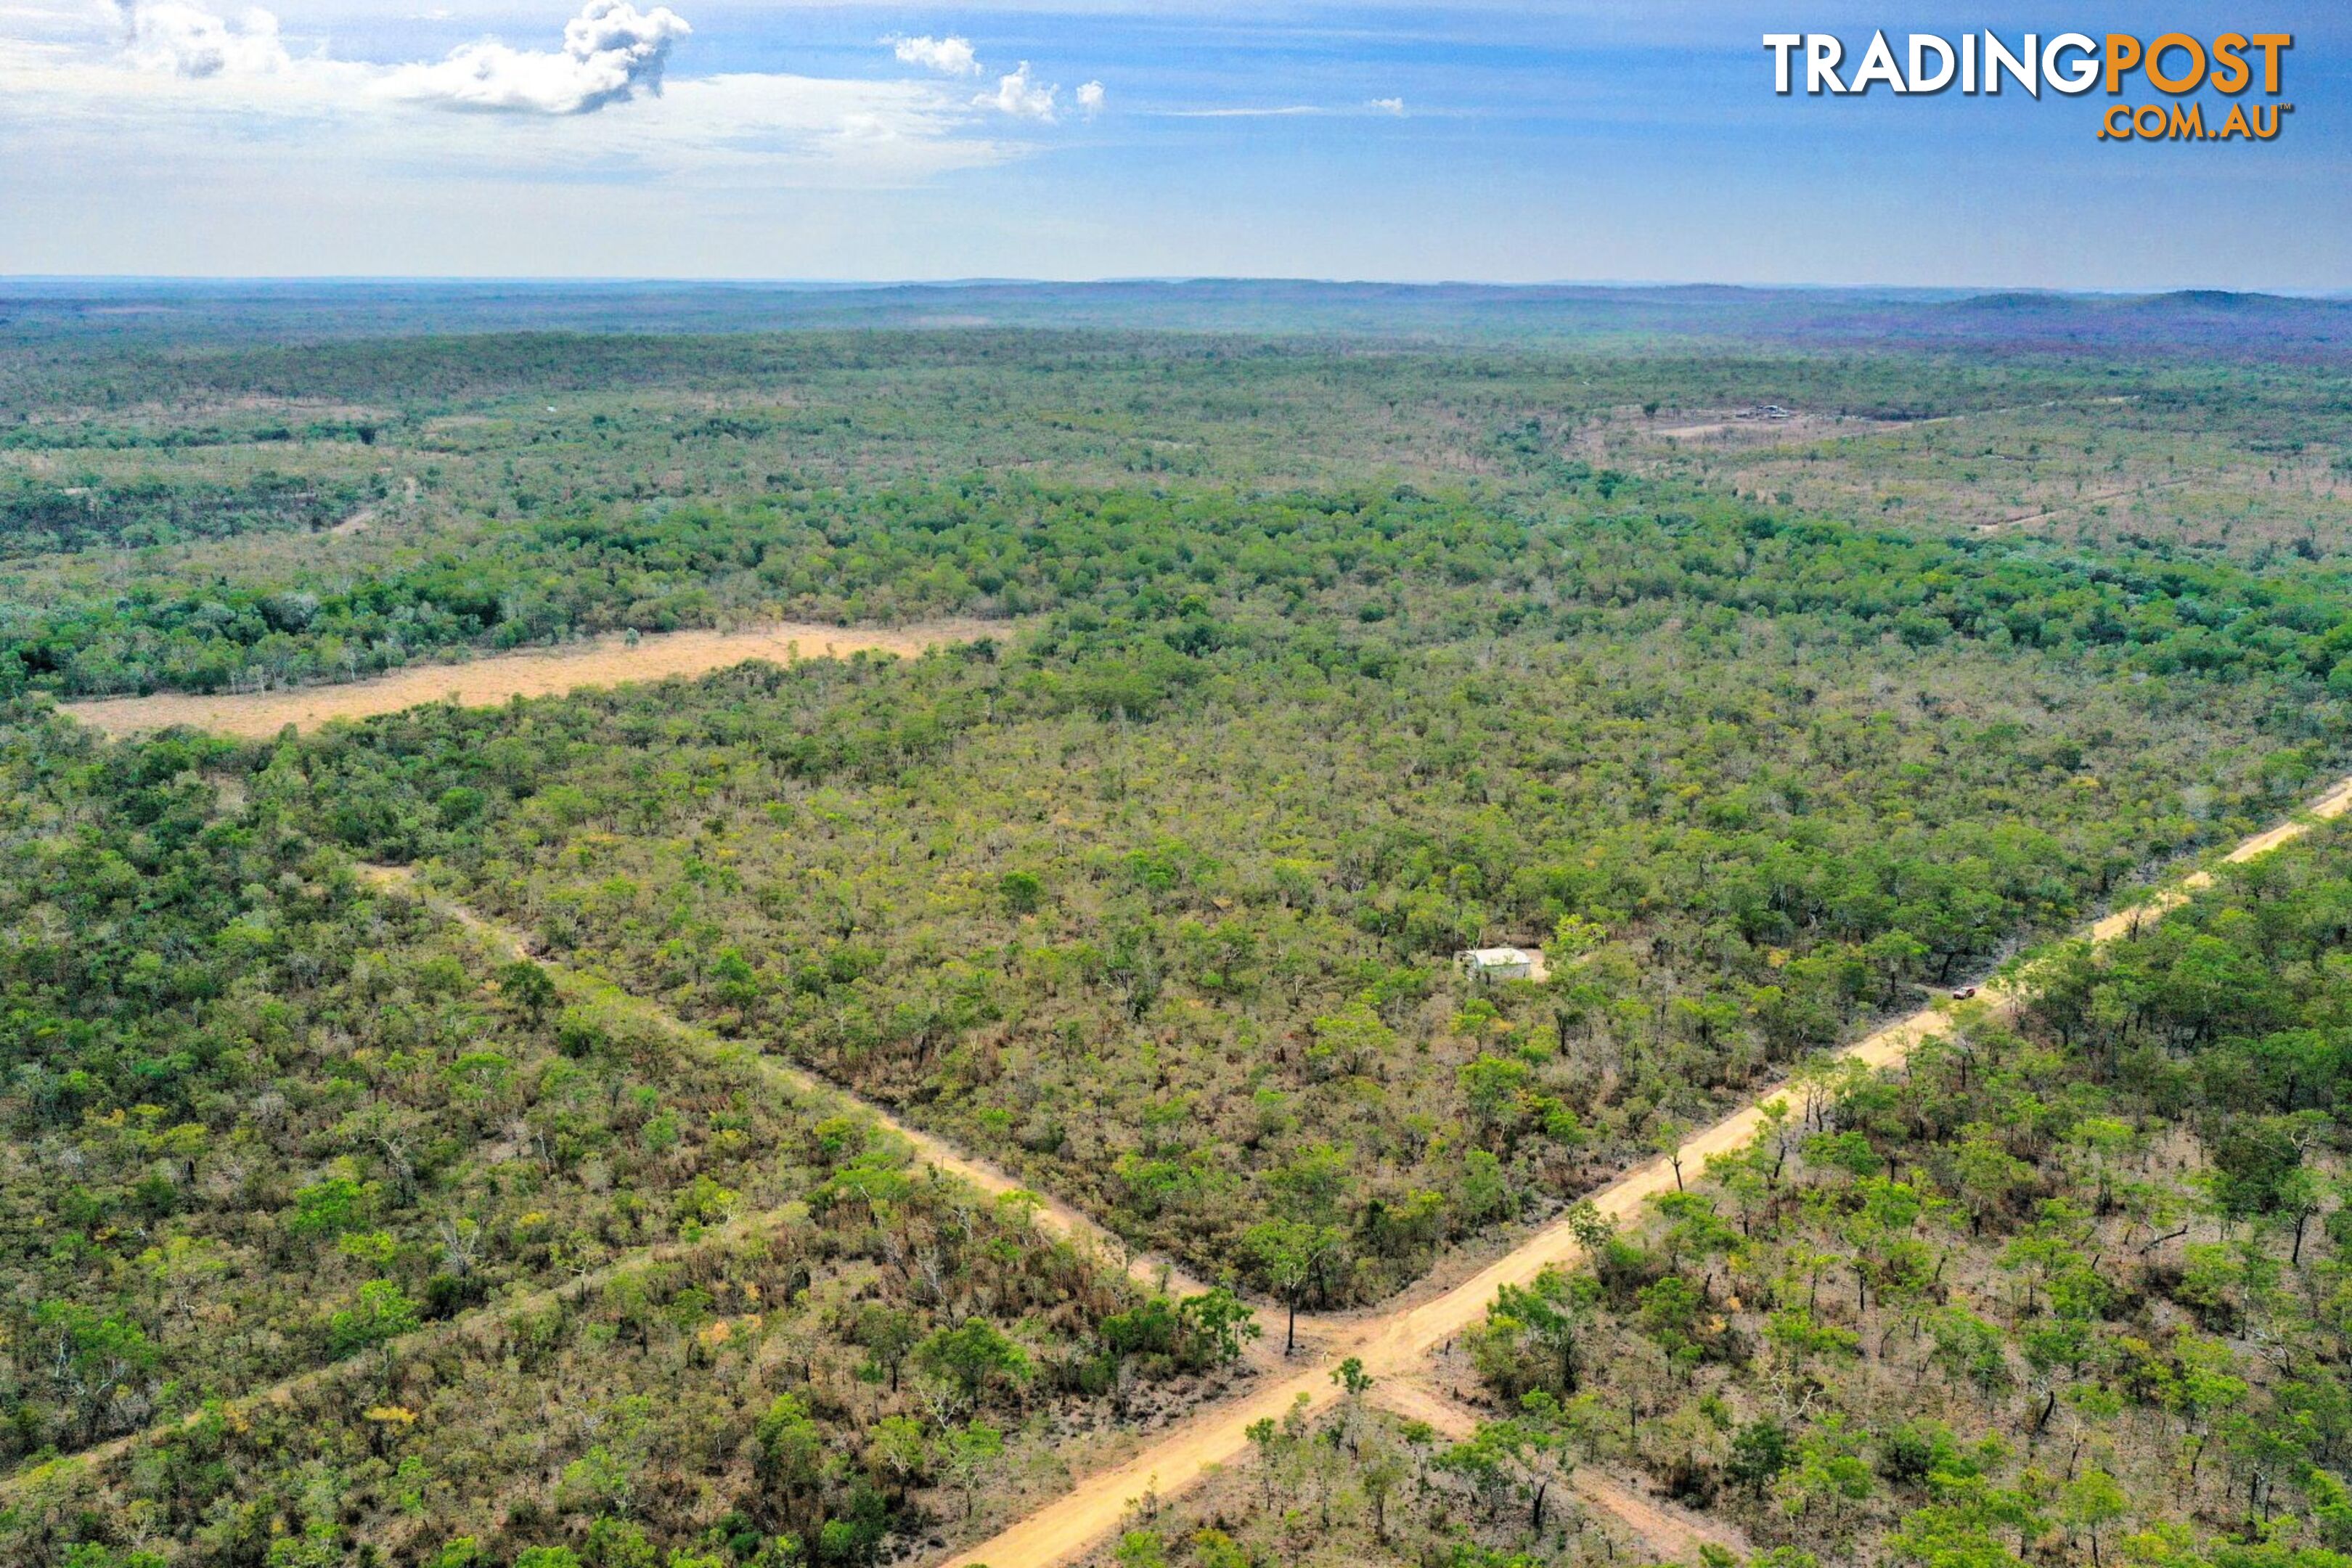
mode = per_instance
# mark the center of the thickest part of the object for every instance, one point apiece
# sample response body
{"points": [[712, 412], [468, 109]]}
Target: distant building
{"points": [[1497, 963]]}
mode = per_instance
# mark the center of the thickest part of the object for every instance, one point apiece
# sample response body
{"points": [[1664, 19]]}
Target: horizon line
{"points": [[1170, 280]]}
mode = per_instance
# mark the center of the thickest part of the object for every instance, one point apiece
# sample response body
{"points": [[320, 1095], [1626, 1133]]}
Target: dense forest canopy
{"points": [[1009, 550]]}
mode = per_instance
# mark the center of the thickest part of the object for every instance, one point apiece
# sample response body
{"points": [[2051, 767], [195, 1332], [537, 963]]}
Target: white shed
{"points": [[1497, 963]]}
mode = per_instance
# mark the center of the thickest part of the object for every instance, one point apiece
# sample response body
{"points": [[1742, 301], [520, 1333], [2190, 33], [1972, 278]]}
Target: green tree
{"points": [[1212, 1327], [1292, 1256], [976, 1357], [2090, 1502], [528, 989], [971, 1453], [897, 1450], [383, 1313]]}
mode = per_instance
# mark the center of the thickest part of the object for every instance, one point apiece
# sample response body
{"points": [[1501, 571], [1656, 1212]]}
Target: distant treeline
{"points": [[1005, 548], [39, 517]]}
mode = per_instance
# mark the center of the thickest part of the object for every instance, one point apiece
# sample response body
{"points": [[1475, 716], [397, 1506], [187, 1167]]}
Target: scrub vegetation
{"points": [[221, 518], [338, 1234], [264, 1125], [1140, 907], [2072, 1285]]}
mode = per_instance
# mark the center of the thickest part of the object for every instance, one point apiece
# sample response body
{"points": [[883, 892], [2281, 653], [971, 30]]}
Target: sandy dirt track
{"points": [[2095, 499], [1051, 1216], [1392, 1345], [547, 672]]}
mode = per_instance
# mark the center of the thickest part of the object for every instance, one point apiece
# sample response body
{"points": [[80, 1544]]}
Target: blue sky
{"points": [[1493, 142]]}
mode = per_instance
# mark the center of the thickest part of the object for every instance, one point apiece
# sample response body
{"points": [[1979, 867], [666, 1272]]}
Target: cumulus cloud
{"points": [[186, 41], [611, 53], [611, 50], [1018, 92], [949, 56], [1386, 105], [132, 74], [1021, 97]]}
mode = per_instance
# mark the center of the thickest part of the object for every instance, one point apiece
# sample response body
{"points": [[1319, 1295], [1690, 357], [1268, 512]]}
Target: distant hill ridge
{"points": [[2251, 324]]}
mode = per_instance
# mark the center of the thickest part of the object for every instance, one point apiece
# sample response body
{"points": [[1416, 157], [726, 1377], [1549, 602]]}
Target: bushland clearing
{"points": [[608, 661]]}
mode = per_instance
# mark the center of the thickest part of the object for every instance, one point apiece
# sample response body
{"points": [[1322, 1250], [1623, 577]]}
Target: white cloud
{"points": [[1241, 111], [1020, 96], [949, 56], [1090, 98], [182, 39], [1390, 106], [610, 51], [171, 79]]}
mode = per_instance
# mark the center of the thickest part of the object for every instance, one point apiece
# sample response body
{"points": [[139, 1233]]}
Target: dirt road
{"points": [[1847, 427], [605, 661], [1053, 1217], [1392, 1345], [2096, 498], [1056, 1218], [481, 1326]]}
